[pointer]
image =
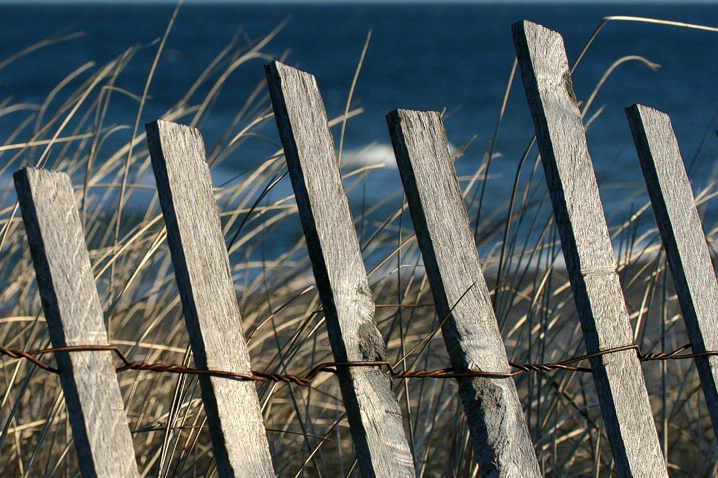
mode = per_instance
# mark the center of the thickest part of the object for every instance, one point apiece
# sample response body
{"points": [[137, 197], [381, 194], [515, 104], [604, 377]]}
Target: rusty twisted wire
{"points": [[333, 367]]}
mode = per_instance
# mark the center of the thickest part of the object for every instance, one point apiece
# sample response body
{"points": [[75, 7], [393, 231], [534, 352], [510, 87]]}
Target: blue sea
{"points": [[455, 58]]}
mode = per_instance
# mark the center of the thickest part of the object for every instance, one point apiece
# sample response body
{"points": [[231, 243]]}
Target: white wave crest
{"points": [[376, 154]]}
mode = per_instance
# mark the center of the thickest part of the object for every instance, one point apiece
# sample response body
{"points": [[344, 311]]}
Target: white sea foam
{"points": [[372, 155], [375, 154]]}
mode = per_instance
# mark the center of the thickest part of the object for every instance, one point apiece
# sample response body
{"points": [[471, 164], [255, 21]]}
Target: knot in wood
{"points": [[371, 344]]}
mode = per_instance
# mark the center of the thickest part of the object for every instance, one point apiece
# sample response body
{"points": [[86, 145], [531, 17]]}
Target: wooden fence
{"points": [[494, 414]]}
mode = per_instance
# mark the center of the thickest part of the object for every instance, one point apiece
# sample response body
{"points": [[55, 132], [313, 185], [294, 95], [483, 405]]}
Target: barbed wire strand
{"points": [[333, 367]]}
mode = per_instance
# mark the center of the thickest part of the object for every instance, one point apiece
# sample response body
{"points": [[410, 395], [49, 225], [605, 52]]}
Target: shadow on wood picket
{"points": [[494, 414]]}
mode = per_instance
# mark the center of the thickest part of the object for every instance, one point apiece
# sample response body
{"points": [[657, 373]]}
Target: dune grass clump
{"points": [[73, 130]]}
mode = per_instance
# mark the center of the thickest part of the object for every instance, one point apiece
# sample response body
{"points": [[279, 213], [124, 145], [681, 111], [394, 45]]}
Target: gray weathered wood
{"points": [[374, 415], [498, 429], [587, 250], [74, 317], [683, 238], [209, 300]]}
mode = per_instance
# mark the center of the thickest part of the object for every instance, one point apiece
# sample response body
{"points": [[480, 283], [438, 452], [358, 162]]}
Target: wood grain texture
{"points": [[74, 317], [374, 415], [496, 420], [588, 250], [209, 300], [683, 238]]}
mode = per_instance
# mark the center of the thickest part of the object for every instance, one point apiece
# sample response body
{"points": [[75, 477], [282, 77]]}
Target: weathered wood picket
{"points": [[587, 250], [495, 416], [209, 301], [683, 239], [74, 317], [374, 416], [494, 413]]}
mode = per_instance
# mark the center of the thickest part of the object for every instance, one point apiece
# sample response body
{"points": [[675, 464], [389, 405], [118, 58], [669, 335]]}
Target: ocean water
{"points": [[455, 58]]}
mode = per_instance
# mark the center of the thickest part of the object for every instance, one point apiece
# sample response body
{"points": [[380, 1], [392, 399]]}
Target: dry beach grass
{"points": [[306, 426]]}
